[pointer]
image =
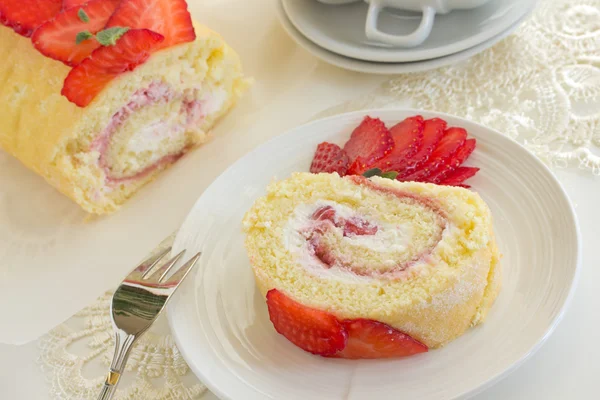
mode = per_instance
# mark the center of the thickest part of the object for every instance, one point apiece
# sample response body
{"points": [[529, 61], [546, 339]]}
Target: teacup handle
{"points": [[414, 39]]}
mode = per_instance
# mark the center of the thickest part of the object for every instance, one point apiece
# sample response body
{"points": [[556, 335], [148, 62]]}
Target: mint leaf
{"points": [[372, 172], [83, 16], [109, 36], [83, 36], [389, 175]]}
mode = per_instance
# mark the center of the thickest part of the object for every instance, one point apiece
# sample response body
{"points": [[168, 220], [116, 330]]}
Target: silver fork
{"points": [[136, 304]]}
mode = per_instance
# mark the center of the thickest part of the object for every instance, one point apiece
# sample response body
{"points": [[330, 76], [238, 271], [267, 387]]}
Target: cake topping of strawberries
{"points": [[170, 18], [23, 16], [88, 79], [370, 141], [312, 330], [329, 157], [70, 36], [373, 339]]}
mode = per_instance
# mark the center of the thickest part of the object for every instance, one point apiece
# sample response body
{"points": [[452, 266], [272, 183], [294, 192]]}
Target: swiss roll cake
{"points": [[360, 267], [99, 138]]}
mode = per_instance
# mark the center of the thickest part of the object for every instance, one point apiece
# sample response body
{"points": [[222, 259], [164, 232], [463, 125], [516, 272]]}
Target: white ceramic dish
{"points": [[384, 68], [341, 29], [221, 324]]}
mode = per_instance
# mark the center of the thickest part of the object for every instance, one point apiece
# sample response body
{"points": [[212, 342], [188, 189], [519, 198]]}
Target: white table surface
{"points": [[564, 368]]}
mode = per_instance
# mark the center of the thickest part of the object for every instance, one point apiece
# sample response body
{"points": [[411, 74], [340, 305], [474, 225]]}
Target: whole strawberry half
{"points": [[170, 18], [320, 333], [23, 16], [90, 77], [57, 38]]}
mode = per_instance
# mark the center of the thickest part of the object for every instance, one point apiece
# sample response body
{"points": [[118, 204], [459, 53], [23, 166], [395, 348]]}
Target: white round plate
{"points": [[341, 28], [220, 321], [384, 68]]}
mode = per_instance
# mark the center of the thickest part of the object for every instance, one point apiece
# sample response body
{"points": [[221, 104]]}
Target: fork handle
{"points": [[123, 344]]}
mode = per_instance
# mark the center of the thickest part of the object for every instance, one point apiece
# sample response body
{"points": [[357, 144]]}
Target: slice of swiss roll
{"points": [[140, 123], [418, 257]]}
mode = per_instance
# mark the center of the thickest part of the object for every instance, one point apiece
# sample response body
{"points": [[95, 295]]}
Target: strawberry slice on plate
{"points": [[23, 16], [370, 141], [433, 130], [312, 330], [373, 339], [170, 18], [88, 79], [455, 161], [329, 157], [460, 175], [451, 141], [408, 137], [57, 38]]}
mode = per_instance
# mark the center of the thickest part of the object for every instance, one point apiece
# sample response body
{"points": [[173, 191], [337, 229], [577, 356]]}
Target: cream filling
{"points": [[389, 239]]}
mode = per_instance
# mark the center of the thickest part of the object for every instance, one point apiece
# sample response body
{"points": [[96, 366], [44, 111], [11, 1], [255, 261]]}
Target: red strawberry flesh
{"points": [[170, 18], [370, 141], [56, 38], [23, 16], [329, 157], [312, 330], [408, 137], [459, 175], [451, 141], [373, 339], [73, 3], [455, 161], [433, 130], [89, 78]]}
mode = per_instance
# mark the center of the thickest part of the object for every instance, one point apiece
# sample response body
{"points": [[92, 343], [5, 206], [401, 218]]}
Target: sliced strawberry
{"points": [[170, 18], [88, 79], [408, 137], [370, 141], [73, 3], [23, 16], [452, 140], [56, 38], [433, 130], [459, 175], [373, 339], [312, 330], [329, 157], [455, 161]]}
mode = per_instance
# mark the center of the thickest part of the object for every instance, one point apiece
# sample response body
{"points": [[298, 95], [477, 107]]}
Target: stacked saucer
{"points": [[374, 37]]}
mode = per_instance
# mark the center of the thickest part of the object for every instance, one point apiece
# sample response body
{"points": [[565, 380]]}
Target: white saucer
{"points": [[220, 321], [385, 68], [341, 28]]}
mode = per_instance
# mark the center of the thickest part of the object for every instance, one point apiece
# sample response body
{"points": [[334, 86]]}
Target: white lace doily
{"points": [[541, 86]]}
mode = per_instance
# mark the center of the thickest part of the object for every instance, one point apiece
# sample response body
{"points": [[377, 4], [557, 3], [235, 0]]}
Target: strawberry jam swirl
{"points": [[148, 138], [346, 242]]}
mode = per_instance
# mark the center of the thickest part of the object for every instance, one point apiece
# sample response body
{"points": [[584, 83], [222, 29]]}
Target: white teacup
{"points": [[428, 7]]}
